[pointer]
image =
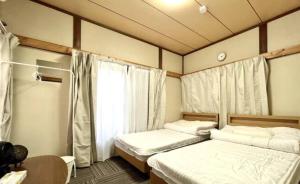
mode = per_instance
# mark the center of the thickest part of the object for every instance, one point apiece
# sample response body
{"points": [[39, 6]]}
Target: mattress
{"points": [[217, 161], [144, 144]]}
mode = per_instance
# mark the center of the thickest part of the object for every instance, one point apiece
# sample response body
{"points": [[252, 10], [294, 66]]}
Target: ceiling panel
{"points": [[105, 17], [188, 14], [268, 9], [142, 13], [237, 15], [177, 27]]}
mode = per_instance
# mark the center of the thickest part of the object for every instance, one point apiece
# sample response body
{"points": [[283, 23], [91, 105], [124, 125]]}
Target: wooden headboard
{"points": [[264, 121], [200, 116]]}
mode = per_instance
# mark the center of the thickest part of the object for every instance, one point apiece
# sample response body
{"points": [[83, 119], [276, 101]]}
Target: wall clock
{"points": [[221, 56]]}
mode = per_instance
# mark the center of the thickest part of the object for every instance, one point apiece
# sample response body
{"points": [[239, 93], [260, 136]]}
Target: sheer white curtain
{"points": [[110, 107], [7, 43], [237, 88], [201, 91], [137, 99], [157, 99], [244, 88]]}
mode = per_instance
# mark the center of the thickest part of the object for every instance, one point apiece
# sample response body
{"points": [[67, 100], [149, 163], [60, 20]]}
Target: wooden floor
{"points": [[112, 171]]}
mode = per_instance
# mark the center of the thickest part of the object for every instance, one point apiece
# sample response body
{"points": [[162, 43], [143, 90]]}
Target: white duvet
{"points": [[218, 161], [156, 141]]}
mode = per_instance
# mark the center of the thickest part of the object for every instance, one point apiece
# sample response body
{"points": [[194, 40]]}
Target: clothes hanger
{"points": [[2, 27]]}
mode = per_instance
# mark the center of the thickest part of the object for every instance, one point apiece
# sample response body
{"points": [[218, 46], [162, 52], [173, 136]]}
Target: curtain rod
{"points": [[35, 66], [117, 60], [268, 55]]}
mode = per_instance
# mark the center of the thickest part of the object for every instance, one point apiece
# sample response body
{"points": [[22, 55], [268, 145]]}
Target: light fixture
{"points": [[173, 2], [203, 9]]}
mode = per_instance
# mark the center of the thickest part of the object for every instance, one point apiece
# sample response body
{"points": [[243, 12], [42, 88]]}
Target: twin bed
{"points": [[242, 152], [136, 148], [236, 155]]}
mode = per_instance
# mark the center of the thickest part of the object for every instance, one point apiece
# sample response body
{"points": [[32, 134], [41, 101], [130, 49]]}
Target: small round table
{"points": [[44, 170]]}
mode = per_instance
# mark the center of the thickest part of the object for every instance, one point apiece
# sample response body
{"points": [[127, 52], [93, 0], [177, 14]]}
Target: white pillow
{"points": [[190, 127], [250, 131], [291, 146], [286, 133]]}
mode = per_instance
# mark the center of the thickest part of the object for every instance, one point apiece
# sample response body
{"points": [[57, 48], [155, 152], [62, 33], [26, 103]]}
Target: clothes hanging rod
{"points": [[35, 66]]}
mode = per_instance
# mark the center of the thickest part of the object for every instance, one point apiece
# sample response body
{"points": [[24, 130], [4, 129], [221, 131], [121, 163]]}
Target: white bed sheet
{"points": [[144, 144], [224, 162]]}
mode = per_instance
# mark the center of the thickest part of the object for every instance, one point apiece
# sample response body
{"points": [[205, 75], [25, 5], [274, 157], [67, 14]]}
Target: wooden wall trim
{"points": [[160, 58], [43, 45], [245, 30], [263, 38], [174, 74], [101, 25], [282, 52], [52, 47], [76, 32], [268, 55]]}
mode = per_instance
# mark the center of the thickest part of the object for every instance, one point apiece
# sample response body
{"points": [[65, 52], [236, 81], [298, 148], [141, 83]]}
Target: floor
{"points": [[112, 171]]}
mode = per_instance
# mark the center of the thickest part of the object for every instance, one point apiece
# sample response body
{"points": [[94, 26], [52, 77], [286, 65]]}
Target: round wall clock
{"points": [[221, 56]]}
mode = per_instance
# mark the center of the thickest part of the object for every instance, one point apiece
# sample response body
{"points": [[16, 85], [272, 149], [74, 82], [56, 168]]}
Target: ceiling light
{"points": [[202, 9], [173, 2]]}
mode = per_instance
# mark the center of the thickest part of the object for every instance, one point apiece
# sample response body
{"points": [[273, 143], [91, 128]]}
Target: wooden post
{"points": [[263, 38], [76, 32], [160, 58]]}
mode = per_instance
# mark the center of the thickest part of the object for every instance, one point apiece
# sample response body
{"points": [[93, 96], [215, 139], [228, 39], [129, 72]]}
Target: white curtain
{"points": [[244, 88], [157, 99], [201, 91], [239, 88], [137, 99], [7, 43], [110, 107]]}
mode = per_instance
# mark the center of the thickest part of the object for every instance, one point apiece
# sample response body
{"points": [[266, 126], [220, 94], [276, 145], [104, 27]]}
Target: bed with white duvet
{"points": [[174, 135], [234, 155]]}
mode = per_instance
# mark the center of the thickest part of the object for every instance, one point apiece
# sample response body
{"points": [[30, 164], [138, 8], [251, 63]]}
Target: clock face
{"points": [[221, 56]]}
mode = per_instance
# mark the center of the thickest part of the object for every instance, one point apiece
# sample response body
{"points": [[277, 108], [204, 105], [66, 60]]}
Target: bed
{"points": [[136, 148], [240, 159]]}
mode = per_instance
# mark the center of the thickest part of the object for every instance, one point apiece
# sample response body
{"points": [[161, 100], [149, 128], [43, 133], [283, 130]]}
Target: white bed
{"points": [[225, 160], [144, 144], [136, 148]]}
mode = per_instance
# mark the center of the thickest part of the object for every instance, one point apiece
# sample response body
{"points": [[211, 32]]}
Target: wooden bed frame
{"points": [[142, 165], [249, 120], [264, 121]]}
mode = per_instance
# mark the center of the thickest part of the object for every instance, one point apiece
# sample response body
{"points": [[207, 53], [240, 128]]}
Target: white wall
{"points": [[40, 117], [284, 88], [39, 108], [33, 20], [241, 46], [106, 42], [172, 62], [285, 76]]}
